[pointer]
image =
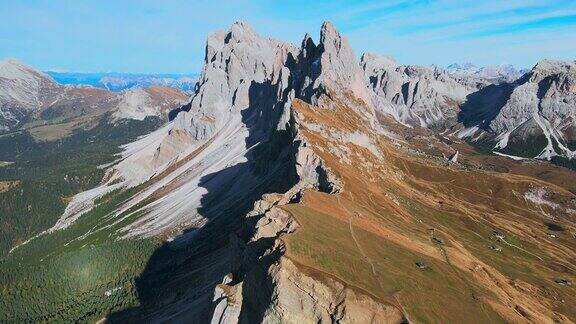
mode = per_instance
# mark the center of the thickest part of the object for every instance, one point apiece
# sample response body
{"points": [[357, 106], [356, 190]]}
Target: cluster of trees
{"points": [[36, 203], [64, 276], [526, 148], [50, 173], [81, 285], [68, 275], [564, 162]]}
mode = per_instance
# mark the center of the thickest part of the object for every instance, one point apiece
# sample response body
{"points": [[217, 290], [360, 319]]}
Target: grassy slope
{"points": [[392, 207], [435, 294]]}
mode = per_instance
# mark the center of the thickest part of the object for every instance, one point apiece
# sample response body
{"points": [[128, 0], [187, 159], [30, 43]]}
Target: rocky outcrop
{"points": [[416, 95], [331, 65], [538, 105], [23, 91], [270, 288], [299, 298]]}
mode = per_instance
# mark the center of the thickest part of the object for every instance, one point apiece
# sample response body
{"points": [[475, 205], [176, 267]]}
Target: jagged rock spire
{"points": [[330, 66]]}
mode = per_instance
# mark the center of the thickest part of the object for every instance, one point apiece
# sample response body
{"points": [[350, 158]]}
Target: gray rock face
{"points": [[23, 91], [541, 103], [416, 95], [539, 106], [331, 65], [236, 62], [244, 71]]}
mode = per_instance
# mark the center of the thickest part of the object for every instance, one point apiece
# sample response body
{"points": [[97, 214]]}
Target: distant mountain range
{"points": [[494, 73], [31, 100], [115, 81]]}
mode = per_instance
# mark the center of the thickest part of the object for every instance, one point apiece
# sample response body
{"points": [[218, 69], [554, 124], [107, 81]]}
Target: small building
{"points": [[422, 265], [499, 235], [563, 282]]}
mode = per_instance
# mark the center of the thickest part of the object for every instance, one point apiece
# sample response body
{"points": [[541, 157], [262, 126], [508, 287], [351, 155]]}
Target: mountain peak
{"points": [[330, 37], [465, 66], [554, 66], [240, 29], [380, 60], [492, 73], [307, 41], [339, 68], [15, 69], [328, 29]]}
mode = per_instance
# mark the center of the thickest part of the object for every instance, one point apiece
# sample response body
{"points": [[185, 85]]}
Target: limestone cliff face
{"points": [[236, 153], [541, 103], [336, 63], [416, 95], [23, 91], [236, 63]]}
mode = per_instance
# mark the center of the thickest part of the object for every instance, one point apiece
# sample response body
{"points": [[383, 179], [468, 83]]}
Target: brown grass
{"points": [[398, 205]]}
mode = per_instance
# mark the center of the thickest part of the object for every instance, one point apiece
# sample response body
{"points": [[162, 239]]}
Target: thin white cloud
{"points": [[169, 36]]}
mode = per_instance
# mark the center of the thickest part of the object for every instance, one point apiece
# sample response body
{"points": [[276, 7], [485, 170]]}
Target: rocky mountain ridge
{"points": [[536, 110], [245, 148], [30, 96], [416, 95], [236, 140], [284, 191], [124, 81]]}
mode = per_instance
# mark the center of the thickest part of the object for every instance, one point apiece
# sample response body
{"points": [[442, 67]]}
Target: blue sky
{"points": [[169, 36]]}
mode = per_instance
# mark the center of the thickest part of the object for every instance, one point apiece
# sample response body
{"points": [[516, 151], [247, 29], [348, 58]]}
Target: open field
{"points": [[366, 260], [57, 130]]}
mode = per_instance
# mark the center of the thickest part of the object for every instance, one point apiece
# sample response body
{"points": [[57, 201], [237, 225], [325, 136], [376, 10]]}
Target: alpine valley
{"points": [[297, 184]]}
